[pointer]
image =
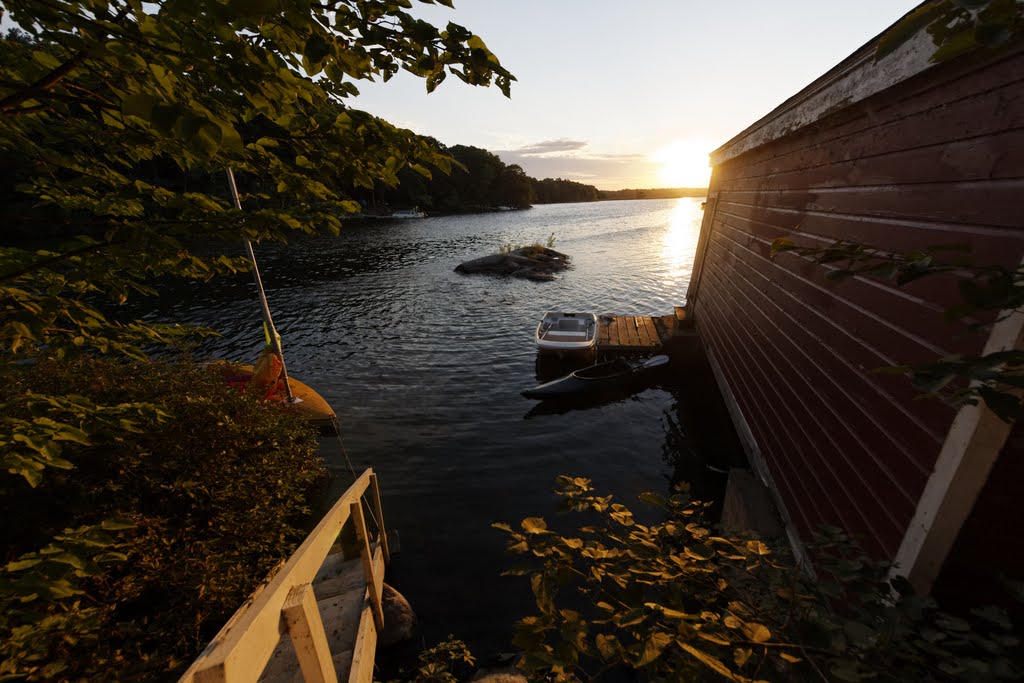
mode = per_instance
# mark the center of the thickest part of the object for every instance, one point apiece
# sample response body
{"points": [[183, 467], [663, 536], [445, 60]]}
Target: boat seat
{"points": [[564, 335], [569, 325]]}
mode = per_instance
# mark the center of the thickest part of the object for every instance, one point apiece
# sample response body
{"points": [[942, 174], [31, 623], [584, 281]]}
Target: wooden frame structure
{"points": [[627, 333], [287, 604]]}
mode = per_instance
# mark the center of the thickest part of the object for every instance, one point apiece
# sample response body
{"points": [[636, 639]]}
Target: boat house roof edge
{"points": [[856, 78]]}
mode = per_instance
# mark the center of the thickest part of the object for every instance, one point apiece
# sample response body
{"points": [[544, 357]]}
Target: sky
{"points": [[628, 94]]}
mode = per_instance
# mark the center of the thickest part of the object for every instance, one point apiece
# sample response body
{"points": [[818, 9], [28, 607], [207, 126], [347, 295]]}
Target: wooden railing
{"points": [[287, 604]]}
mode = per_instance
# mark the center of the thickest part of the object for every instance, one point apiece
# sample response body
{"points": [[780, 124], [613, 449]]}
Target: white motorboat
{"points": [[408, 213], [566, 332]]}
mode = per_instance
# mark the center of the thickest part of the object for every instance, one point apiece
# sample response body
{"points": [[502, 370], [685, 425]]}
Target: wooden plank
{"points": [[373, 588], [988, 203], [377, 587], [766, 222], [831, 483], [901, 330], [306, 630], [848, 345], [928, 296], [613, 333], [626, 330], [620, 325], [379, 511], [366, 646], [643, 334], [849, 429], [652, 331], [636, 332], [241, 652], [761, 410], [950, 113], [999, 155]]}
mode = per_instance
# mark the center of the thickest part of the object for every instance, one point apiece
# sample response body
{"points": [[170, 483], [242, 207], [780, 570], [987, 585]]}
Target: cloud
{"points": [[607, 172], [570, 159], [549, 147]]}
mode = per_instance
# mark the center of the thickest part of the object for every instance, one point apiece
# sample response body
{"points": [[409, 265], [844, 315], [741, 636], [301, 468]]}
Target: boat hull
{"points": [[609, 376], [311, 405], [566, 333]]}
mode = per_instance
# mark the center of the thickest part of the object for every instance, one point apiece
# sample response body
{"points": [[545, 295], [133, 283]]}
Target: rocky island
{"points": [[534, 262]]}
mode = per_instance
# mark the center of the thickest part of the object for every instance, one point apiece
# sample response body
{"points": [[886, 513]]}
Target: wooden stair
{"points": [[316, 618]]}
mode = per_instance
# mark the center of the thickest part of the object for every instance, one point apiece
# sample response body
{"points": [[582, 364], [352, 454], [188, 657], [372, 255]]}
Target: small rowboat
{"points": [[309, 405], [566, 332], [610, 375]]}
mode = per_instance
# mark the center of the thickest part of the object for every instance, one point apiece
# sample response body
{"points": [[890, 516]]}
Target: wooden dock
{"points": [[630, 333], [318, 617]]}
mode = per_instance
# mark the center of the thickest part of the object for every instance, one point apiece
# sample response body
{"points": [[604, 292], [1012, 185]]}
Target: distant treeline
{"points": [[484, 182], [656, 193]]}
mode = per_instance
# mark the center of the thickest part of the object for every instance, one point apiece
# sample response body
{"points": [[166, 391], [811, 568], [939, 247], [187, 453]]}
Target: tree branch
{"points": [[10, 103]]}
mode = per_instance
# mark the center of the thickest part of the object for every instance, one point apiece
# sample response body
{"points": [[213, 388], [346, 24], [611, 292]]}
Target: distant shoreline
{"points": [[653, 193]]}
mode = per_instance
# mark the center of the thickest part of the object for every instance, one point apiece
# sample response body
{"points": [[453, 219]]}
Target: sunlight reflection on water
{"points": [[680, 241]]}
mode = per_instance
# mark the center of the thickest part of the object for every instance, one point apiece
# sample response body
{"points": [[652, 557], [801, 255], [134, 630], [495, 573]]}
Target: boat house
{"points": [[898, 150]]}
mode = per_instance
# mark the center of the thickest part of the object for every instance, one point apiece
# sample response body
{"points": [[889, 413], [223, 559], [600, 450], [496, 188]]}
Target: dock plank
{"points": [[642, 332], [613, 332], [652, 332], [628, 334], [620, 324], [633, 328]]}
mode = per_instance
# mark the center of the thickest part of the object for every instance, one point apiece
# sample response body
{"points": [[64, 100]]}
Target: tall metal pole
{"points": [[275, 341]]}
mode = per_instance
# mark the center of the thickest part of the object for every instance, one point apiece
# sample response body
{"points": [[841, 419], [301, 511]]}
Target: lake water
{"points": [[424, 367]]}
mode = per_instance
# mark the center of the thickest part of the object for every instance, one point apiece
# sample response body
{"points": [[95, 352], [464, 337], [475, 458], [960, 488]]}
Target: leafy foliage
{"points": [[987, 292], [116, 113], [117, 118], [479, 181], [675, 600], [446, 662], [183, 494], [528, 249]]}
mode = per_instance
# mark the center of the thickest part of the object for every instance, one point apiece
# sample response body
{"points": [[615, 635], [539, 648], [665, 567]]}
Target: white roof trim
{"points": [[854, 79]]}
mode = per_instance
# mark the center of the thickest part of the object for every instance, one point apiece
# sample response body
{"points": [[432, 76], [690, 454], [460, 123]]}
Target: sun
{"points": [[684, 163]]}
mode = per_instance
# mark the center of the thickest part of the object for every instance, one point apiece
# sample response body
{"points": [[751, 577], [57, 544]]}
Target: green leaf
{"points": [[230, 139], [758, 633], [654, 645], [707, 660], [758, 548], [544, 593], [630, 618], [117, 524], [18, 565], [535, 525], [140, 105], [608, 647]]}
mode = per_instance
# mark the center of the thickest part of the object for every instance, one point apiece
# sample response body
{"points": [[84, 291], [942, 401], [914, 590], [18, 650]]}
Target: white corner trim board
{"points": [[972, 445]]}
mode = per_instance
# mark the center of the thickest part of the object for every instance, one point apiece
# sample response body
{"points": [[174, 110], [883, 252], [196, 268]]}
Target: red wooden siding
{"points": [[935, 160]]}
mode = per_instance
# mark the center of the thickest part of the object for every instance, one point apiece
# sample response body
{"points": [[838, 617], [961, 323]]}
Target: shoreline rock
{"points": [[532, 263]]}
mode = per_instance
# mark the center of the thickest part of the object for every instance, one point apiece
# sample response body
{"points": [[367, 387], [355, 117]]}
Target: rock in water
{"points": [[399, 619], [533, 263]]}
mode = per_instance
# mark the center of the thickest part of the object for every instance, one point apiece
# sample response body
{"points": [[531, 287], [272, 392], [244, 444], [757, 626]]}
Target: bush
{"points": [[679, 602], [142, 536]]}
